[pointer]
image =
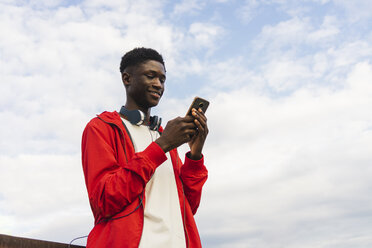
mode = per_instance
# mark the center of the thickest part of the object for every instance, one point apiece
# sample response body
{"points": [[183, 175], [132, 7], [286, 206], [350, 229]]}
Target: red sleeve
{"points": [[193, 175], [112, 185]]}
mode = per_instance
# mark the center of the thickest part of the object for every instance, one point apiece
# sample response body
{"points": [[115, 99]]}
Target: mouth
{"points": [[154, 93]]}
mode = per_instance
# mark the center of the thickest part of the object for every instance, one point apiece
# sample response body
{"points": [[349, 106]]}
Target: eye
{"points": [[150, 76]]}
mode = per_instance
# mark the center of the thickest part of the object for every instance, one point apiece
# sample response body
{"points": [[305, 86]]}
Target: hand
{"points": [[177, 132], [197, 142]]}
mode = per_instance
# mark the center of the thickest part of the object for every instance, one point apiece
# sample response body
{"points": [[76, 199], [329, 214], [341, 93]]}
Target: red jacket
{"points": [[116, 176]]}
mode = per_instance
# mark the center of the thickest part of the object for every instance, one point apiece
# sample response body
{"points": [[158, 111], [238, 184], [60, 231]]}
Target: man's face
{"points": [[146, 84]]}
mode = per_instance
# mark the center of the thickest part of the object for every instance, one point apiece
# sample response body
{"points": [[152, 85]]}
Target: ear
{"points": [[125, 77]]}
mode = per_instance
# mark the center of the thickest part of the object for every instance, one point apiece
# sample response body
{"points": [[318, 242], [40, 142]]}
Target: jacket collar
{"points": [[110, 117], [114, 118]]}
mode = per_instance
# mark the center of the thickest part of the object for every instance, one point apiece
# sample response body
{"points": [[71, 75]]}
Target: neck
{"points": [[143, 110]]}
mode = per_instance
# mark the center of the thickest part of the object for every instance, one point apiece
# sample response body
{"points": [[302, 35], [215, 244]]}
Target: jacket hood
{"points": [[114, 117], [110, 117]]}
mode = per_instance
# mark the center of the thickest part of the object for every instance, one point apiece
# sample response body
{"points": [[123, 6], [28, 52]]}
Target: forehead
{"points": [[151, 65]]}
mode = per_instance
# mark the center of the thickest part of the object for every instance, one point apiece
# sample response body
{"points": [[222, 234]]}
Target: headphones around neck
{"points": [[137, 117]]}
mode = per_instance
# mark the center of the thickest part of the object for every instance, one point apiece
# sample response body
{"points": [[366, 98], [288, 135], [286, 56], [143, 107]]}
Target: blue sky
{"points": [[290, 86]]}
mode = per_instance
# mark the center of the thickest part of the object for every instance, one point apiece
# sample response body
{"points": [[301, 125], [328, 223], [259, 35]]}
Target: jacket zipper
{"points": [[184, 216], [184, 206]]}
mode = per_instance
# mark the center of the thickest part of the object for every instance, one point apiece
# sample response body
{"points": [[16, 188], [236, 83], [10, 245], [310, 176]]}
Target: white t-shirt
{"points": [[163, 226]]}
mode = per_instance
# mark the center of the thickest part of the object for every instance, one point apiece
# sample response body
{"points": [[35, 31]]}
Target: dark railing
{"points": [[7, 241]]}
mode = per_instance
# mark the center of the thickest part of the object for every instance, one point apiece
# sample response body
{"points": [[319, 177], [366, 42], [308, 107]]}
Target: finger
{"points": [[201, 111], [193, 137], [189, 126], [191, 132], [200, 129], [202, 115], [188, 118], [206, 130], [199, 114], [190, 135], [199, 120]]}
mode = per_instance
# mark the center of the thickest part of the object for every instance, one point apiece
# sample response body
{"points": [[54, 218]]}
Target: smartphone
{"points": [[197, 103]]}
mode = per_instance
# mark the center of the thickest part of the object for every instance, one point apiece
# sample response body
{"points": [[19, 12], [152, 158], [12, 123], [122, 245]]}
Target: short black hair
{"points": [[139, 55]]}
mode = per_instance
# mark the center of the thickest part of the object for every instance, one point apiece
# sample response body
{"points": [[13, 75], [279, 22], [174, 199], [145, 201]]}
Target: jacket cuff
{"points": [[194, 166], [155, 153], [188, 154]]}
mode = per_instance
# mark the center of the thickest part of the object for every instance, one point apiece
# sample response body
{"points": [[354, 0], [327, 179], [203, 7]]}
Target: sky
{"points": [[289, 150]]}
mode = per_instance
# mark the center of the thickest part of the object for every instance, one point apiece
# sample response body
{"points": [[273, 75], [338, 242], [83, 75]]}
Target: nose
{"points": [[156, 83]]}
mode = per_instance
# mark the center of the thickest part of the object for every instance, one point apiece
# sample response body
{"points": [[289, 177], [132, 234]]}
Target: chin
{"points": [[150, 105], [153, 103]]}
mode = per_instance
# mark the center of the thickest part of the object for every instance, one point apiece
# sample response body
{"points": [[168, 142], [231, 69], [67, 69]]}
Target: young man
{"points": [[140, 193]]}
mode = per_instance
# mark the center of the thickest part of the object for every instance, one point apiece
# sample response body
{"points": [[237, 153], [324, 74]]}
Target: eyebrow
{"points": [[155, 72]]}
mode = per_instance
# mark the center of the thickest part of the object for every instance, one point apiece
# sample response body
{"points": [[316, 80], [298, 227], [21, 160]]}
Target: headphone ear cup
{"points": [[136, 117], [155, 123]]}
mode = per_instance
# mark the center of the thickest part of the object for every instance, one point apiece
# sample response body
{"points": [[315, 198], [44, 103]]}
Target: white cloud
{"points": [[327, 31], [40, 191], [284, 74], [350, 53], [279, 164], [358, 10], [25, 180], [187, 7], [58, 70], [298, 52], [297, 31], [61, 64], [289, 162], [204, 34], [249, 10], [45, 3]]}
